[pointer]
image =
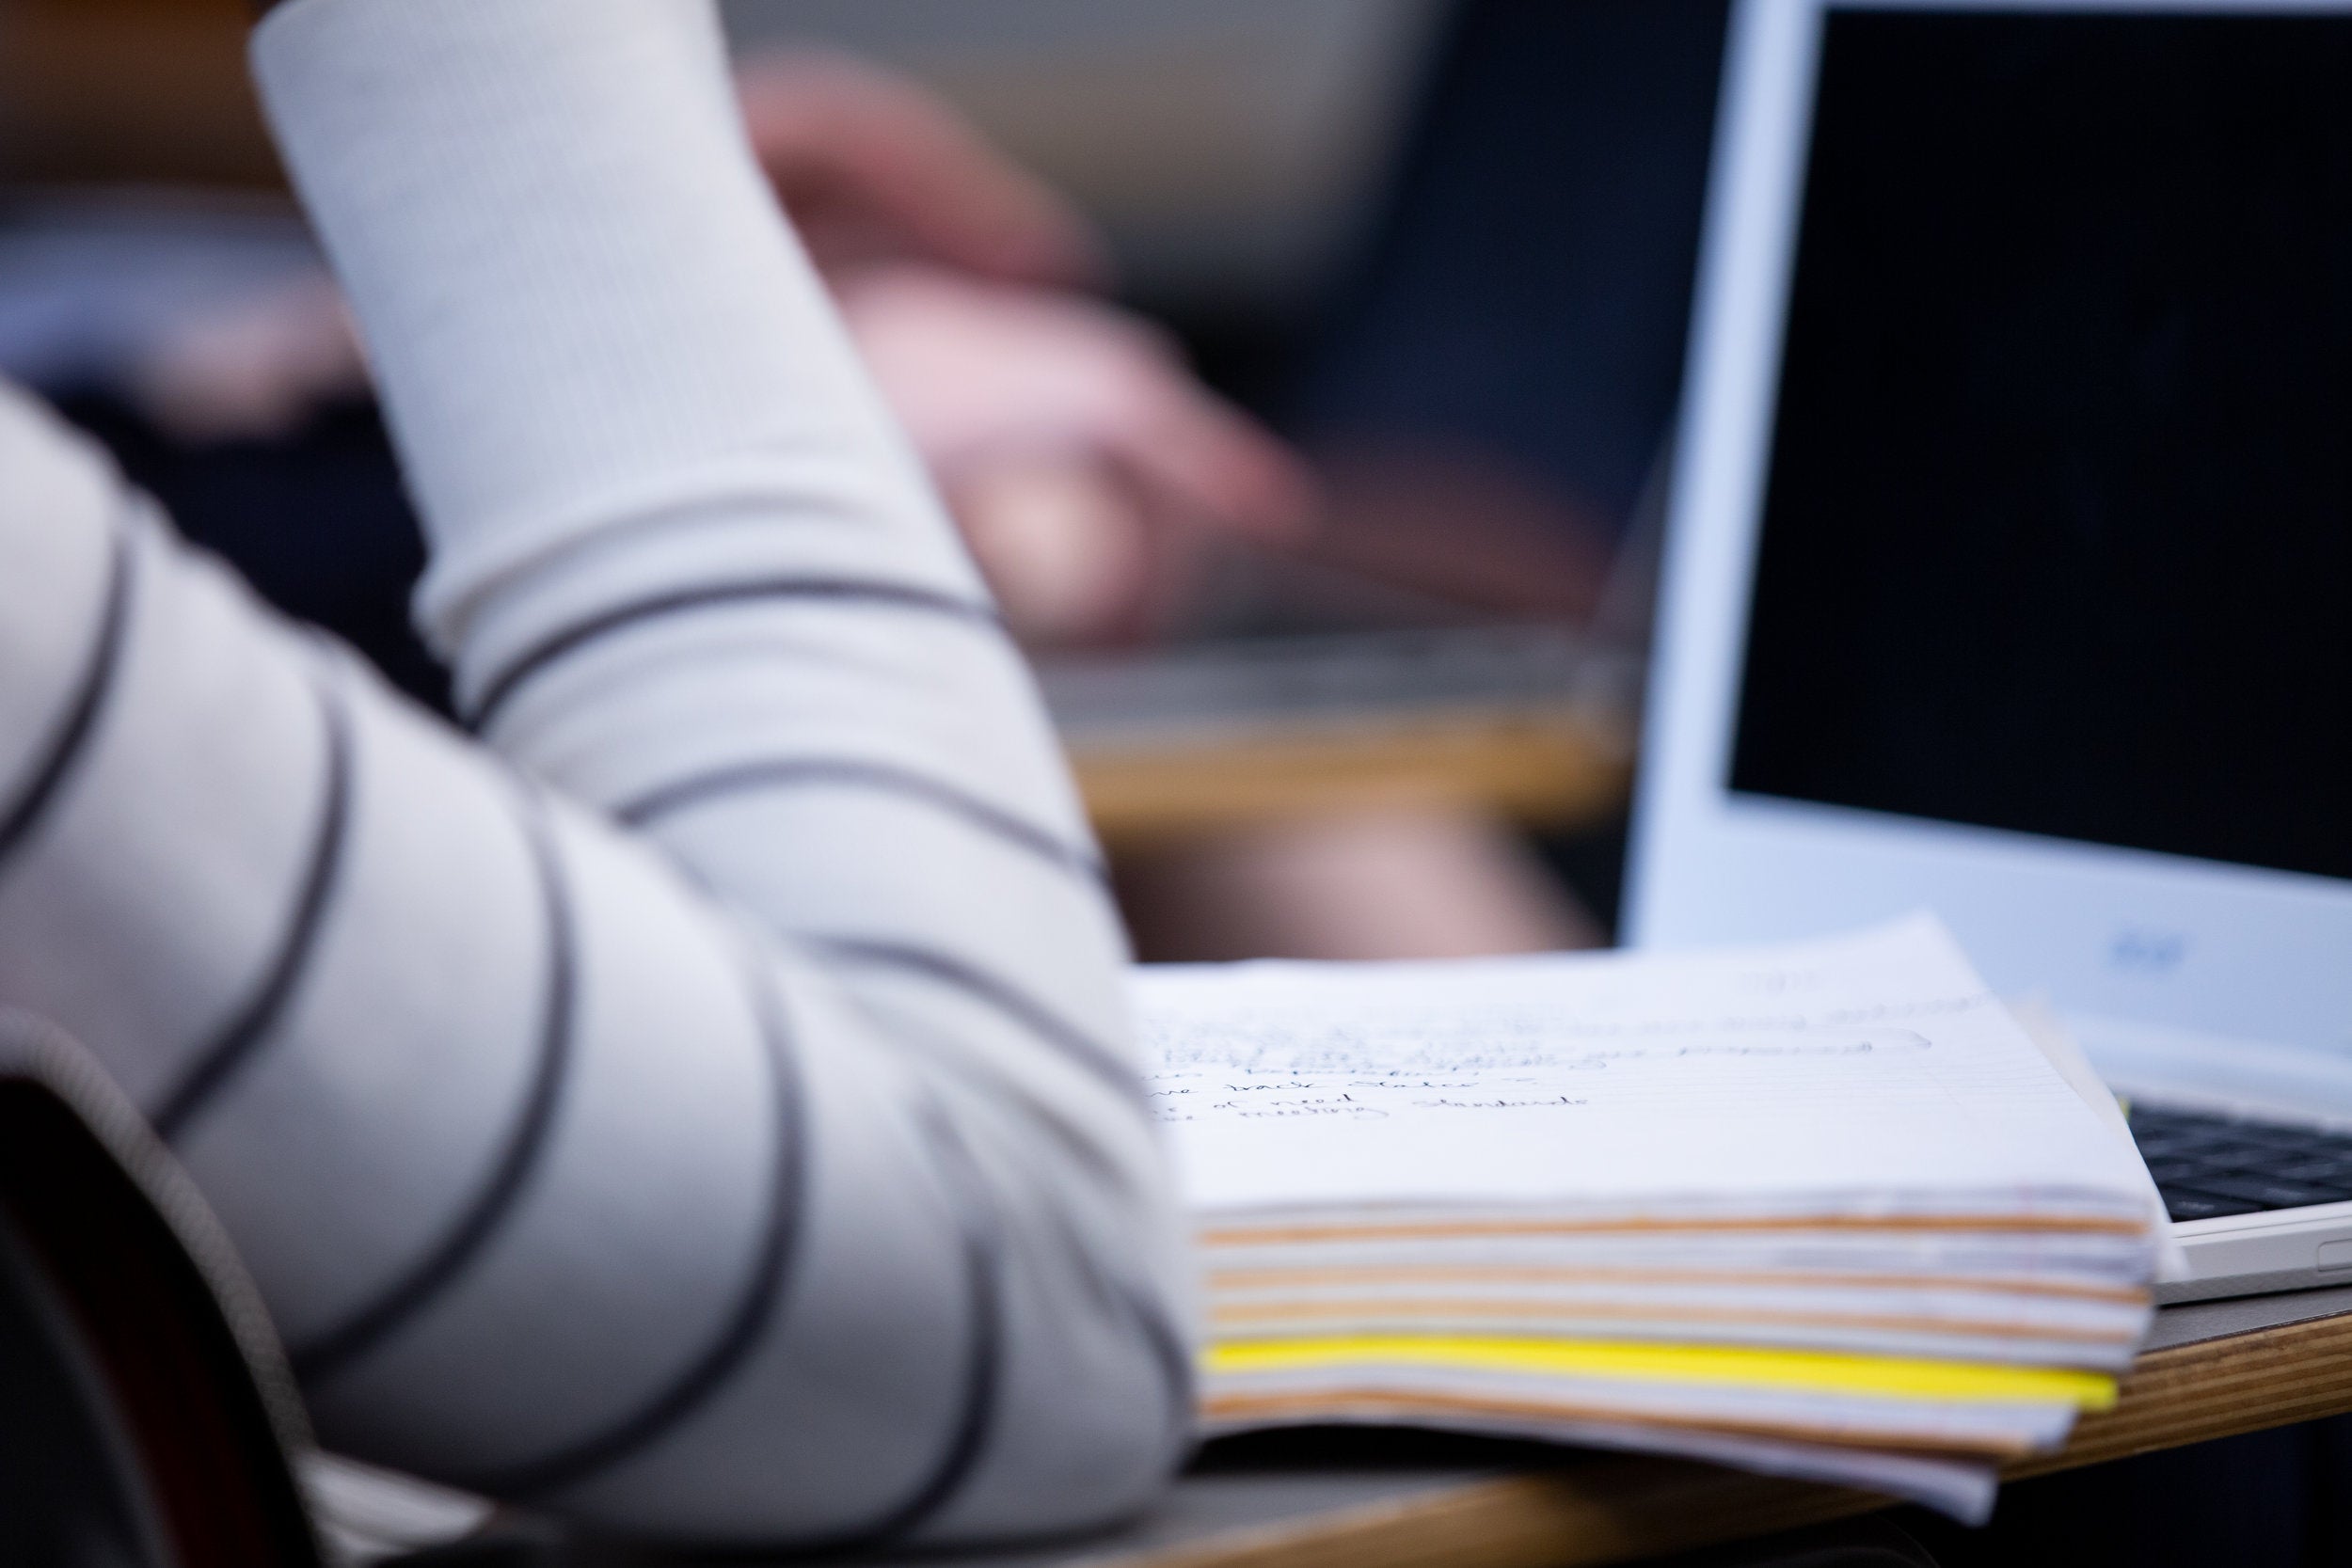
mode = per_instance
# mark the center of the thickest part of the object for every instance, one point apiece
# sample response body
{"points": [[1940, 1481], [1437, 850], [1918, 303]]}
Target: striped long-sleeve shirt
{"points": [[705, 1103]]}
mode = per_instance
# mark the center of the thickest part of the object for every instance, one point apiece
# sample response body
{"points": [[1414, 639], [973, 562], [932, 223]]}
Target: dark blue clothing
{"points": [[1527, 292]]}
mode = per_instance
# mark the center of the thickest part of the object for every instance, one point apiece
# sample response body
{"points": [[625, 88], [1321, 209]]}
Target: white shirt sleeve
{"points": [[719, 1118]]}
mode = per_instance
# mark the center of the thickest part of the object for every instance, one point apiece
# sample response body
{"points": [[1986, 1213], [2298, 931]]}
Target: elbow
{"points": [[1071, 1426], [1026, 1376], [1093, 1417]]}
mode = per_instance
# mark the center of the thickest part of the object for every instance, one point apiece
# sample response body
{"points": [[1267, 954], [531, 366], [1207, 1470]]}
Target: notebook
{"points": [[1821, 1209]]}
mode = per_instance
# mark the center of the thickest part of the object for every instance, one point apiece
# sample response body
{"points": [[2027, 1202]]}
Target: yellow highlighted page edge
{"points": [[1804, 1372]]}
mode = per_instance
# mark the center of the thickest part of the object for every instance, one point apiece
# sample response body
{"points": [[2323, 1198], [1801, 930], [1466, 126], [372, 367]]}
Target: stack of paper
{"points": [[1823, 1210]]}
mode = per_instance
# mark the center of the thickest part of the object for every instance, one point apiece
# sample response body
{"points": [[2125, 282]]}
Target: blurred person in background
{"points": [[1445, 246], [1081, 452], [1093, 477]]}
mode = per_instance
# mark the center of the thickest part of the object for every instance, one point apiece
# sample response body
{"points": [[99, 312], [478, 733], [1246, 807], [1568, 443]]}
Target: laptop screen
{"points": [[2057, 529]]}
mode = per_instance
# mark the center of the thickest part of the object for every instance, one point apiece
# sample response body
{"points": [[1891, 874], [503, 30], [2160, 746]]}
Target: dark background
{"points": [[2059, 535]]}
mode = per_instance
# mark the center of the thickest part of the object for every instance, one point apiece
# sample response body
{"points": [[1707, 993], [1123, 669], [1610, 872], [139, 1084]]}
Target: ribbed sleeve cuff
{"points": [[584, 311]]}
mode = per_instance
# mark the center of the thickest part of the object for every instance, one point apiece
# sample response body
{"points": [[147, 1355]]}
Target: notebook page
{"points": [[1868, 1073]]}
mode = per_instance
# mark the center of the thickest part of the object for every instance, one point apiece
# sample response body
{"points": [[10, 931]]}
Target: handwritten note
{"points": [[1872, 1071]]}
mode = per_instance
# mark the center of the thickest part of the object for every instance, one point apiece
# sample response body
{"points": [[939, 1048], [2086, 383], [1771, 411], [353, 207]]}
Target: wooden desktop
{"points": [[1527, 723], [1546, 771], [2212, 1370]]}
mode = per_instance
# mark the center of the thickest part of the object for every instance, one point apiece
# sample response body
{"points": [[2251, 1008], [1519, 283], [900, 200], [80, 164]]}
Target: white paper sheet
{"points": [[1871, 1073], [2051, 1037]]}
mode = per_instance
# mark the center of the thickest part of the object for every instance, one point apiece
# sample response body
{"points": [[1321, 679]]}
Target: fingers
{"points": [[253, 370], [870, 163], [1211, 460], [995, 376], [1065, 547], [1085, 465], [982, 375]]}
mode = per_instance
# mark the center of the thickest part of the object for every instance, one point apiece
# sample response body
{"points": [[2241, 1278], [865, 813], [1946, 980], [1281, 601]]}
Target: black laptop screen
{"points": [[2058, 534]]}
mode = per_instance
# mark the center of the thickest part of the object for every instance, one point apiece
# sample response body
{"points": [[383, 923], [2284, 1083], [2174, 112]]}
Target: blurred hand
{"points": [[869, 165], [1083, 464], [1086, 466], [252, 368], [873, 167]]}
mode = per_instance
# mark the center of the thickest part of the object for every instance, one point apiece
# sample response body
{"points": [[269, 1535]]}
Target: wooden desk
{"points": [[1559, 770], [1405, 1500], [2213, 1369], [139, 90], [1524, 722]]}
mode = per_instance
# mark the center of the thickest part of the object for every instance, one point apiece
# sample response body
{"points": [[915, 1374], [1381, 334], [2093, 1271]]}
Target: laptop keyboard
{"points": [[2208, 1166]]}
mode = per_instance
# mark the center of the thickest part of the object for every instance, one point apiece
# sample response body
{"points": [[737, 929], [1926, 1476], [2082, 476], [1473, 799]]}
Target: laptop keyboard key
{"points": [[2169, 1141], [2244, 1154], [2184, 1204], [2209, 1165], [2265, 1193], [2269, 1164], [2308, 1140]]}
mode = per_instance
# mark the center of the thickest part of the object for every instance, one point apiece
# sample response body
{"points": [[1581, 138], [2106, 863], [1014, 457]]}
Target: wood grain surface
{"points": [[1557, 770], [1605, 1509], [138, 90], [2218, 1388]]}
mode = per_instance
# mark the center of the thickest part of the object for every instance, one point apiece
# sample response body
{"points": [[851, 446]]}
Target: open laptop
{"points": [[2010, 566]]}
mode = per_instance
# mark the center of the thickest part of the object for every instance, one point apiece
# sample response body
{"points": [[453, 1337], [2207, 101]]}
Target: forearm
{"points": [[677, 544], [559, 1182], [674, 537], [588, 320]]}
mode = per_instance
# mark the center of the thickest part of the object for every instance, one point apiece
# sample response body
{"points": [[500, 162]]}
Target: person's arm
{"points": [[777, 1173]]}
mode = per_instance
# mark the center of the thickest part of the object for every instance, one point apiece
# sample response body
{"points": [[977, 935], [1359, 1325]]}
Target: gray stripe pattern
{"points": [[320, 1358], [64, 750], [534, 660], [783, 773], [562, 1207], [220, 1059]]}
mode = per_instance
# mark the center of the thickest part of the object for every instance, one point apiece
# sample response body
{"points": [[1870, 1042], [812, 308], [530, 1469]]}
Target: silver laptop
{"points": [[2010, 564]]}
